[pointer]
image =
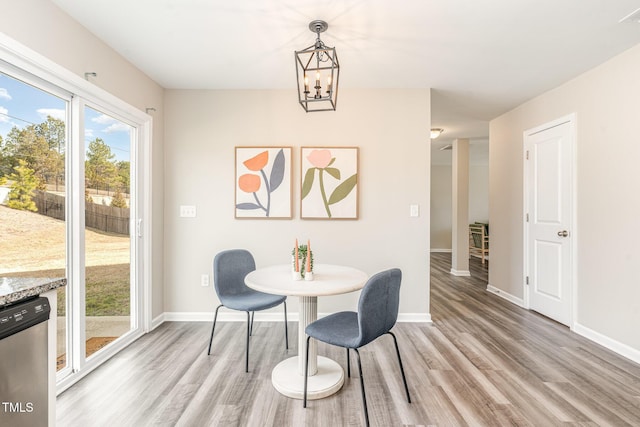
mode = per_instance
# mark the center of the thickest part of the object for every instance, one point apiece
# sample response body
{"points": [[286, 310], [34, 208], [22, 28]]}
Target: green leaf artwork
{"points": [[343, 189], [330, 165], [308, 181]]}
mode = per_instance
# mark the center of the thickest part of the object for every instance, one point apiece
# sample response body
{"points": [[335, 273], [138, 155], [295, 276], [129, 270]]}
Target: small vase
{"points": [[308, 276]]}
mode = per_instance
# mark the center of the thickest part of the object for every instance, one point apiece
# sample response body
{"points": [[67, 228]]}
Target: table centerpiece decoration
{"points": [[302, 262]]}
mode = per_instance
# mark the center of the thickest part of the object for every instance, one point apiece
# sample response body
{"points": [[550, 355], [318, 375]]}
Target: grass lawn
{"points": [[107, 291], [33, 245]]}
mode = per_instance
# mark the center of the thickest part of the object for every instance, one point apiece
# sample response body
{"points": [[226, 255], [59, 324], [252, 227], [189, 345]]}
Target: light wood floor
{"points": [[483, 362]]}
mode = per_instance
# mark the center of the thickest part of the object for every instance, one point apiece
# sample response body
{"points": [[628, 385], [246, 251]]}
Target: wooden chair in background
{"points": [[479, 240]]}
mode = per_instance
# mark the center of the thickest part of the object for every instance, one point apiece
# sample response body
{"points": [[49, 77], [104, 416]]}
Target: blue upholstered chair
{"points": [[377, 314], [229, 270]]}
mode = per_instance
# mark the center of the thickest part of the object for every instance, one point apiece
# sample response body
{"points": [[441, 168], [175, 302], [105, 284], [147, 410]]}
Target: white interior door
{"points": [[548, 164]]}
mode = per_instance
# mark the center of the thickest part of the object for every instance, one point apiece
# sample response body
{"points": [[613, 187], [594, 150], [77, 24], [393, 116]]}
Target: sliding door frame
{"points": [[24, 63]]}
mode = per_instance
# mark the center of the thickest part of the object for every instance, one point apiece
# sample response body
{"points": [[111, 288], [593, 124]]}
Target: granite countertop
{"points": [[16, 288]]}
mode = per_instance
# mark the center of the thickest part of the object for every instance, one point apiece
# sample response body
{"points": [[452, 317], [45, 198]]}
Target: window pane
{"points": [[32, 189], [107, 237]]}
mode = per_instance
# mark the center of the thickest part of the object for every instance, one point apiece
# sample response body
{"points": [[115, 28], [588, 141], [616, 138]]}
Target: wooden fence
{"points": [[100, 217]]}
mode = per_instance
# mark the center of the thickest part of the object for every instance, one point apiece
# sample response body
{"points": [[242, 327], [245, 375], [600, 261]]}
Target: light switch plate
{"points": [[414, 210], [187, 211], [204, 280]]}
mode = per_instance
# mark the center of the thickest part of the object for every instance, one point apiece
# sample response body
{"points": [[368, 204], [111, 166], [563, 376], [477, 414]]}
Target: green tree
{"points": [[24, 184], [87, 196], [124, 172], [3, 163], [100, 168], [54, 132], [7, 160], [26, 144], [118, 200], [42, 146]]}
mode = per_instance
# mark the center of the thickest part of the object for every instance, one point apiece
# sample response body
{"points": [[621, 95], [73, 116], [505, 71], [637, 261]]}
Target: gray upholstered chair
{"points": [[229, 270], [377, 314]]}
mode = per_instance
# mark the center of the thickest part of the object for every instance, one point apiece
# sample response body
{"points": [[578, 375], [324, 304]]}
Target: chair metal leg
{"points": [[246, 363], [348, 364], [306, 373], [406, 388], [251, 327], [215, 317], [364, 397], [286, 328]]}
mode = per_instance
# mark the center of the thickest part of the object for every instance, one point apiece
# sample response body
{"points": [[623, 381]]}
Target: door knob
{"points": [[563, 233]]}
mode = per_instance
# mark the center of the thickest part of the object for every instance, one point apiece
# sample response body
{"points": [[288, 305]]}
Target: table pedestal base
{"points": [[327, 381]]}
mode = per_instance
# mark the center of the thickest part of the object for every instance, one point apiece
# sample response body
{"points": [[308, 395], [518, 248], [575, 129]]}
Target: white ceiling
{"points": [[481, 57]]}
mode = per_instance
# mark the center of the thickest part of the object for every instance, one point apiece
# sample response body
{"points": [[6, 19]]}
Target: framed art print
{"points": [[263, 182], [329, 187]]}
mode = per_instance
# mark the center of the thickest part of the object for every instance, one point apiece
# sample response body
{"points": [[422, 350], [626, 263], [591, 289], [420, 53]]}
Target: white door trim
{"points": [[572, 120]]}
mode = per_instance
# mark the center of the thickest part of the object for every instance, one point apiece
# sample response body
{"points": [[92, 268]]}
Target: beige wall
{"points": [[441, 207], [42, 27], [479, 193], [606, 101], [202, 129], [441, 201]]}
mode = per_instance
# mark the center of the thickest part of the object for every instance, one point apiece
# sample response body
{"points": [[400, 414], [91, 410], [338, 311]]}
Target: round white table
{"points": [[325, 375]]}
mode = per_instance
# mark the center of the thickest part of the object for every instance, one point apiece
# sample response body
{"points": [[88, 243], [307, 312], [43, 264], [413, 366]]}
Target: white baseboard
{"points": [[502, 294], [157, 322], [441, 250], [238, 316], [613, 345], [413, 317], [460, 273], [223, 316]]}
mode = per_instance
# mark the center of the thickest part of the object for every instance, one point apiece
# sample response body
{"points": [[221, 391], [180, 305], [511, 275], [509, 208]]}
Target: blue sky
{"points": [[22, 105]]}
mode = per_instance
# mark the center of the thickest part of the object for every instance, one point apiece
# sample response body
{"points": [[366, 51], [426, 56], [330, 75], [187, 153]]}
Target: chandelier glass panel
{"points": [[317, 72]]}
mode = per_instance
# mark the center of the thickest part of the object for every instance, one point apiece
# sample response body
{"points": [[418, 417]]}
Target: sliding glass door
{"points": [[69, 207], [33, 186]]}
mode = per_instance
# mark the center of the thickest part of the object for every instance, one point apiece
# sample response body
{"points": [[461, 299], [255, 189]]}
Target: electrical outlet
{"points": [[187, 211], [204, 280]]}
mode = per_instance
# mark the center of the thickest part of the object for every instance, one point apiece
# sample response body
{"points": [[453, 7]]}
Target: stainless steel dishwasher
{"points": [[23, 363]]}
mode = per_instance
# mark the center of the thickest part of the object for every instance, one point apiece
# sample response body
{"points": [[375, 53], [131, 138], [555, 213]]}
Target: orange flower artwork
{"points": [[257, 163], [260, 174], [249, 183]]}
